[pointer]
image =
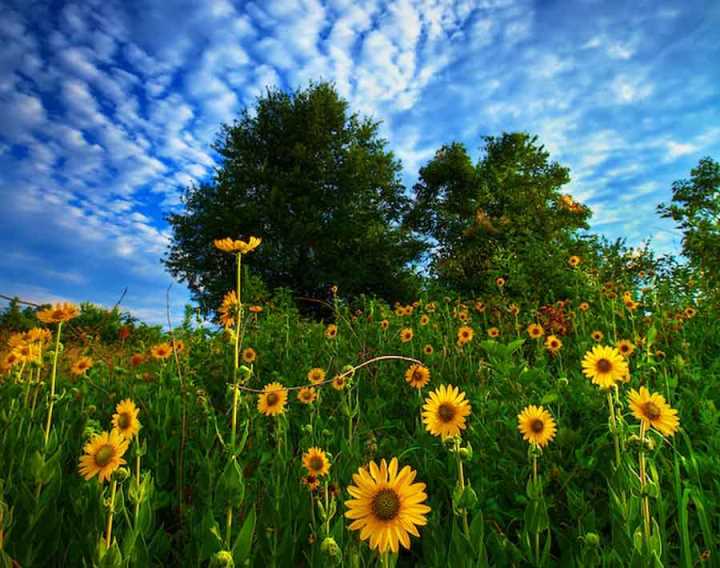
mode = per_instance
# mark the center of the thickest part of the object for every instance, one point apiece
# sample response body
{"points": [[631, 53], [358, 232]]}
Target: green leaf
{"points": [[242, 547]]}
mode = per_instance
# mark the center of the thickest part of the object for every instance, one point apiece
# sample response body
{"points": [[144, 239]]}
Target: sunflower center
{"points": [[651, 410], [537, 425], [604, 366], [104, 455], [272, 399], [316, 463], [386, 504], [417, 377], [124, 421], [446, 412]]}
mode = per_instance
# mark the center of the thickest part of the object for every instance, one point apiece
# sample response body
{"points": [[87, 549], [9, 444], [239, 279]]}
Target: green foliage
{"points": [[504, 216], [321, 189], [695, 207]]}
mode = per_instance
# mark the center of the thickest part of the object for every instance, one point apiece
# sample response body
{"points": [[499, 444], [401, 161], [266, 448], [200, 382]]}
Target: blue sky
{"points": [[108, 109]]}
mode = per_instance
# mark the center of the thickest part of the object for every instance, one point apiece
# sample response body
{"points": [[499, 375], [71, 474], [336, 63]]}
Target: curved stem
{"points": [[53, 378]]}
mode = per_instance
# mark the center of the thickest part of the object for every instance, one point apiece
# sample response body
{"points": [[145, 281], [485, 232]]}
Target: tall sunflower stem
{"points": [[53, 378], [613, 428], [137, 476], [643, 483], [461, 481], [111, 511], [537, 533]]}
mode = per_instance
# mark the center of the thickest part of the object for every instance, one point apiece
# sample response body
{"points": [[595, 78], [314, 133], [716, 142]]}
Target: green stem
{"points": [[53, 378], [643, 482], [613, 428], [108, 528]]}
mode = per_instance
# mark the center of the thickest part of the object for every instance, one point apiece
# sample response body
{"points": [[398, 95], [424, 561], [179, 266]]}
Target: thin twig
{"points": [[121, 298]]}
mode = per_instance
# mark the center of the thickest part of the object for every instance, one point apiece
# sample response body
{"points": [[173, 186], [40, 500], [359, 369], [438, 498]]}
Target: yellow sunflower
{"points": [[584, 306], [58, 313], [553, 344], [514, 309], [125, 420], [331, 331], [653, 411], [339, 382], [689, 312], [271, 402], [500, 282], [38, 335], [235, 246], [465, 334], [406, 334], [316, 376], [311, 482], [604, 365], [307, 395], [574, 261], [249, 355], [625, 347], [103, 455], [384, 324], [535, 331], [417, 376], [81, 366], [315, 462], [479, 307], [228, 310], [428, 349], [386, 506], [536, 425], [161, 351], [493, 332], [597, 335], [424, 319], [445, 410]]}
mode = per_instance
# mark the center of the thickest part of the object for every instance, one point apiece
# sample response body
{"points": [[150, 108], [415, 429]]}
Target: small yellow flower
{"points": [[339, 383], [58, 313], [249, 355], [553, 344], [465, 334], [493, 332], [653, 411], [574, 261], [536, 425], [315, 462], [316, 375], [238, 246], [584, 306], [161, 351], [406, 334], [597, 336], [125, 420], [81, 366], [424, 319], [625, 347], [307, 395], [535, 331], [331, 331], [271, 402], [428, 349], [417, 376], [604, 366]]}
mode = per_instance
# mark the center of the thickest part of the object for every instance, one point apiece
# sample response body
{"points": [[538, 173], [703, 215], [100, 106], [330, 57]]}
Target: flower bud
{"points": [[223, 558]]}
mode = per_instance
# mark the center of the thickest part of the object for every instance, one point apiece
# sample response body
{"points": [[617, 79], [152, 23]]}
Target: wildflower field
{"points": [[443, 432]]}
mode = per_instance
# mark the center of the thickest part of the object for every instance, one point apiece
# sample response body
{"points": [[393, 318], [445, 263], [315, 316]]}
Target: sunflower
{"points": [[406, 334], [331, 331], [463, 316], [465, 334], [316, 375], [479, 307], [161, 351], [653, 411], [228, 309], [535, 331], [386, 506], [125, 420], [58, 313], [428, 349], [81, 365], [445, 410], [311, 482], [307, 395], [339, 382], [584, 306], [536, 425], [249, 355], [255, 309], [417, 376], [399, 310], [514, 310], [626, 347], [604, 365], [178, 345], [553, 344], [499, 282], [631, 304], [137, 359], [430, 307], [493, 332], [424, 319], [103, 455], [384, 324], [231, 246], [689, 312], [38, 335], [597, 335], [574, 261], [271, 402], [315, 462]]}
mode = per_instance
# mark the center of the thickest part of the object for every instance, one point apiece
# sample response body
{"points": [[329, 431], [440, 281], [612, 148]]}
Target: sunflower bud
{"points": [[592, 539], [223, 558], [121, 474], [307, 429], [331, 548]]}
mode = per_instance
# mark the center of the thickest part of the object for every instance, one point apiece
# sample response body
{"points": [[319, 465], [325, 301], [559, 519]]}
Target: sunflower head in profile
{"points": [[493, 332], [271, 402], [161, 351], [625, 347], [386, 506], [536, 425], [553, 344], [249, 355], [103, 455], [237, 246], [229, 309], [428, 349], [653, 411], [465, 334], [417, 376], [307, 395], [81, 366], [125, 420], [316, 462], [58, 313], [535, 331], [444, 411], [316, 375], [513, 310], [406, 334], [311, 482], [604, 366], [331, 331]]}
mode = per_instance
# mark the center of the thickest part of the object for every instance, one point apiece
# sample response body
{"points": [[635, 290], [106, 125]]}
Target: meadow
{"points": [[446, 431]]}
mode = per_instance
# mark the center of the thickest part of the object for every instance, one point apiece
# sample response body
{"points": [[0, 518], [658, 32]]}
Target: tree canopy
{"points": [[318, 184]]}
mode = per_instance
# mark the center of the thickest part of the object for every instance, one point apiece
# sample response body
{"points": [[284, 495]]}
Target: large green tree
{"points": [[318, 184], [695, 207], [504, 216]]}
